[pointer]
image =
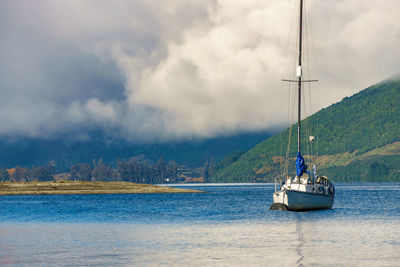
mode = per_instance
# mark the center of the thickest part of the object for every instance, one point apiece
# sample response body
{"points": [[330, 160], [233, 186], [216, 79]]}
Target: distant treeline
{"points": [[136, 170], [21, 174]]}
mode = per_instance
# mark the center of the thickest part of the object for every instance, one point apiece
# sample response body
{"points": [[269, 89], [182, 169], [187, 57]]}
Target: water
{"points": [[230, 225]]}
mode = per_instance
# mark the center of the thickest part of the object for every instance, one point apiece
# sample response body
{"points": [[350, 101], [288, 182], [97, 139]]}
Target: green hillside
{"points": [[358, 139]]}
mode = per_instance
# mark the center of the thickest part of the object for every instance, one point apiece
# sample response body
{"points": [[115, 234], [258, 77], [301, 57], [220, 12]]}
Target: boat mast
{"points": [[299, 76]]}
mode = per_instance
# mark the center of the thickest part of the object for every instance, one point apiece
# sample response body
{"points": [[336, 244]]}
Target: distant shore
{"points": [[81, 187]]}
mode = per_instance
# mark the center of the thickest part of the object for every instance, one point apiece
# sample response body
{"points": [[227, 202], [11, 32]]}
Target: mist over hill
{"points": [[64, 152], [358, 139]]}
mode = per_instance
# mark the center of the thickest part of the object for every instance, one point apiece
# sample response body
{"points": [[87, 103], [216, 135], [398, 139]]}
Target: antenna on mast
{"points": [[299, 75]]}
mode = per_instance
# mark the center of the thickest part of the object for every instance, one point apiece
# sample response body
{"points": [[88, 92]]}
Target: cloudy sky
{"points": [[157, 70]]}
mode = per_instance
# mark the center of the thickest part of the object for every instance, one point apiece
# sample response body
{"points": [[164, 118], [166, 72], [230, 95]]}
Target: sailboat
{"points": [[306, 191]]}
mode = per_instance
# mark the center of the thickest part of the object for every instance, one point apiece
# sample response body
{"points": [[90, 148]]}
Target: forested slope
{"points": [[356, 141]]}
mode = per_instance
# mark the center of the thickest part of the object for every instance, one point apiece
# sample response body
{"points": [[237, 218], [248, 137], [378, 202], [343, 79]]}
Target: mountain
{"points": [[64, 152], [358, 139]]}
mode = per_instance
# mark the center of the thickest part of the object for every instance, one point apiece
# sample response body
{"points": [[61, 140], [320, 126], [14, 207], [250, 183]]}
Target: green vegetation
{"points": [[357, 140]]}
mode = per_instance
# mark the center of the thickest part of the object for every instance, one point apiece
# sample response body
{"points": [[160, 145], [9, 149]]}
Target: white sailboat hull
{"points": [[302, 201], [306, 191]]}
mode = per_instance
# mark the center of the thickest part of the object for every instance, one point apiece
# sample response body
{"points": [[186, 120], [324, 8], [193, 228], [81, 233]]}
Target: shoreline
{"points": [[84, 187]]}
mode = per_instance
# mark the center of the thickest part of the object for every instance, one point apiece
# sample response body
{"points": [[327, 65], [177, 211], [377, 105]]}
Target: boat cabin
{"points": [[323, 180]]}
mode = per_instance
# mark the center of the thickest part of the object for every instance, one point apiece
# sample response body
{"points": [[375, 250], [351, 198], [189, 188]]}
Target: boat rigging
{"points": [[306, 191]]}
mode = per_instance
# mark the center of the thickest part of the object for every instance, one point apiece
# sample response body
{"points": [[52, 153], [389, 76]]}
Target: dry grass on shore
{"points": [[81, 187]]}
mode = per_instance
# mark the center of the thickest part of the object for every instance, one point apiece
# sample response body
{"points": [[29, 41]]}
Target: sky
{"points": [[156, 70]]}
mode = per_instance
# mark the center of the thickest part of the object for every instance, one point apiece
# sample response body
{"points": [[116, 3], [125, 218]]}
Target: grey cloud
{"points": [[147, 70]]}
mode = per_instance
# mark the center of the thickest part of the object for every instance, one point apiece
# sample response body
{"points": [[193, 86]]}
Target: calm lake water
{"points": [[231, 225]]}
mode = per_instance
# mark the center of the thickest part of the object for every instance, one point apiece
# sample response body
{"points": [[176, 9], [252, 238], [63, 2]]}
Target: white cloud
{"points": [[101, 112], [152, 70]]}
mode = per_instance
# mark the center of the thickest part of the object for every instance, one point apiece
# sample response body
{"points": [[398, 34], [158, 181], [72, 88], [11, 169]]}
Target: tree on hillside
{"points": [[4, 176], [41, 173], [85, 172], [171, 170], [160, 171], [101, 171], [21, 174], [208, 169], [377, 170], [74, 170]]}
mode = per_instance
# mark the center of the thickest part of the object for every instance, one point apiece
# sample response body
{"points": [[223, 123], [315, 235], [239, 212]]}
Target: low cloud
{"points": [[147, 71]]}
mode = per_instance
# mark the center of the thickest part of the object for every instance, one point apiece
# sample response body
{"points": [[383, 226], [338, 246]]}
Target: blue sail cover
{"points": [[301, 166]]}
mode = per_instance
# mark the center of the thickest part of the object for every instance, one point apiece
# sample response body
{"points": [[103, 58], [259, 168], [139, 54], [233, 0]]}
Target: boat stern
{"points": [[280, 201]]}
